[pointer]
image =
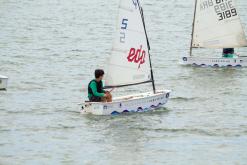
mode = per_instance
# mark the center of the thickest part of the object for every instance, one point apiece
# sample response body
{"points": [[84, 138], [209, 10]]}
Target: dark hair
{"points": [[98, 73]]}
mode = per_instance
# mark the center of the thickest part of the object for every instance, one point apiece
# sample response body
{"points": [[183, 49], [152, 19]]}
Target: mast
{"points": [[193, 25], [150, 63]]}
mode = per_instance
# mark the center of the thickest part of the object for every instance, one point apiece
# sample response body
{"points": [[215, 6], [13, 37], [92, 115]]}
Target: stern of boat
{"points": [[92, 107]]}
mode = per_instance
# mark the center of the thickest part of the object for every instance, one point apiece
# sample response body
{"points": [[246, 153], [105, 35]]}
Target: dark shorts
{"points": [[228, 51], [95, 99]]}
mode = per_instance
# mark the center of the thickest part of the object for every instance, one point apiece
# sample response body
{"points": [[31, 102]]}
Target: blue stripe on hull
{"points": [[140, 109]]}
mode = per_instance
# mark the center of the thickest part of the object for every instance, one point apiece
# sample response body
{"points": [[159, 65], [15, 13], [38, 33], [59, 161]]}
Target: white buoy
{"points": [[3, 82]]}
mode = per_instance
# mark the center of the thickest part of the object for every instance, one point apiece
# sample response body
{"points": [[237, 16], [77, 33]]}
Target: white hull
{"points": [[215, 62], [3, 82], [133, 103]]}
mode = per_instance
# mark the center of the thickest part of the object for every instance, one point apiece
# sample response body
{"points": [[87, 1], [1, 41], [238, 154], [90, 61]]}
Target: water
{"points": [[49, 50]]}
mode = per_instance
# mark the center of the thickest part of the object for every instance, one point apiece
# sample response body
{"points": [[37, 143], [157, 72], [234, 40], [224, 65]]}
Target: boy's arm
{"points": [[93, 86]]}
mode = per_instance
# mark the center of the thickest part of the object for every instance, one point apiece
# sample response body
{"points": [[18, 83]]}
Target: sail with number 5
{"points": [[129, 63], [217, 25]]}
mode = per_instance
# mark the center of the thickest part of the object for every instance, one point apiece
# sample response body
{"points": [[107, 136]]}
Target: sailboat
{"points": [[216, 25], [3, 82], [129, 64]]}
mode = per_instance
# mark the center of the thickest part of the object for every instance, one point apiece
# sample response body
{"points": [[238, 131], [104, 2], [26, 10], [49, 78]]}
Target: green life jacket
{"points": [[99, 88]]}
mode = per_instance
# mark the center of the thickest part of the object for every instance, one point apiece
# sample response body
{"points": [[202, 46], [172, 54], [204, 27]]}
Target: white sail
{"points": [[129, 60], [217, 25]]}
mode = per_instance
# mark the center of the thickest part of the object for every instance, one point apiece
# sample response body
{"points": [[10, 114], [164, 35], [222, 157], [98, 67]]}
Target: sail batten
{"points": [[119, 50], [129, 62], [136, 31], [217, 25], [122, 66], [126, 9]]}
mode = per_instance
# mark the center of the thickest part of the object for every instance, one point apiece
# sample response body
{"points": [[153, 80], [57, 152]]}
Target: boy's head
{"points": [[99, 73]]}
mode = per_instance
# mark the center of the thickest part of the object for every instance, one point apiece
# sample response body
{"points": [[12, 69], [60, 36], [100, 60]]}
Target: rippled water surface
{"points": [[49, 50]]}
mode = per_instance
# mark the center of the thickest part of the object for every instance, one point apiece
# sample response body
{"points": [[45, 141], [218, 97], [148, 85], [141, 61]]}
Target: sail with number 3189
{"points": [[129, 64]]}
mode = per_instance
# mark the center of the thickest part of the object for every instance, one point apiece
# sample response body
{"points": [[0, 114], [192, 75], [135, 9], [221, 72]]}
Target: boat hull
{"points": [[215, 62], [3, 82], [133, 103]]}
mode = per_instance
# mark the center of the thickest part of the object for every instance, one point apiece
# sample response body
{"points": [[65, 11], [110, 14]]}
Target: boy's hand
{"points": [[107, 94]]}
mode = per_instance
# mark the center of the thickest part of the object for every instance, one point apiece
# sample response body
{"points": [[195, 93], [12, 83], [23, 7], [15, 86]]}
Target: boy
{"points": [[95, 88]]}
